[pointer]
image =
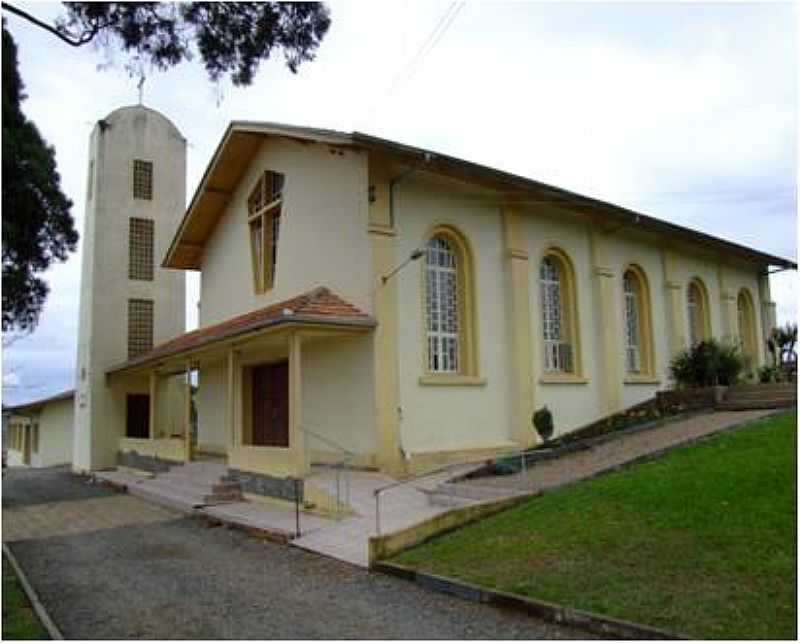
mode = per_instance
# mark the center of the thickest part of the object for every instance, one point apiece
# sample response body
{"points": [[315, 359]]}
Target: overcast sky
{"points": [[687, 112]]}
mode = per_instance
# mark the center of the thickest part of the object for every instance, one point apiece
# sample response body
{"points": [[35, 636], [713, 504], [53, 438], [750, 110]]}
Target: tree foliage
{"points": [[37, 223], [231, 37]]}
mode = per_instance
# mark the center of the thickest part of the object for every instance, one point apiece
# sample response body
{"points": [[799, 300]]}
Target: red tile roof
{"points": [[318, 306]]}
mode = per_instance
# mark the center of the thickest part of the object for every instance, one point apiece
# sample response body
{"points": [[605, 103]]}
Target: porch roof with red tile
{"points": [[318, 307]]}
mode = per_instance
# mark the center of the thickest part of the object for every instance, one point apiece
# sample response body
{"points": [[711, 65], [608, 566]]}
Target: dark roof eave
{"points": [[58, 397], [626, 215], [313, 320]]}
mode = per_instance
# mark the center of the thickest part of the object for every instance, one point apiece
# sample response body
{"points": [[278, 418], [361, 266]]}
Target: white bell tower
{"points": [[135, 199]]}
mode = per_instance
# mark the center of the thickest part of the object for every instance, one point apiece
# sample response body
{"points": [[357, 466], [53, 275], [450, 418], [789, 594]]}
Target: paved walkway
{"points": [[584, 464], [400, 507], [167, 576]]}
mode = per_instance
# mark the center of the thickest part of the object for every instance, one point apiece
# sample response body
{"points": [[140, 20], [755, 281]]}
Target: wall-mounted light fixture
{"points": [[415, 254]]}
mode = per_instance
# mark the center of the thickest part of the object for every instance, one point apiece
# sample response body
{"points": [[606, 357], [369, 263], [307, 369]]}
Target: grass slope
{"points": [[701, 542], [19, 619]]}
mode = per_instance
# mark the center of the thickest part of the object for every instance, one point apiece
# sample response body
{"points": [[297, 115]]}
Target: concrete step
{"points": [[767, 387], [173, 500], [471, 491], [222, 498], [182, 486], [758, 395], [753, 405], [436, 499]]}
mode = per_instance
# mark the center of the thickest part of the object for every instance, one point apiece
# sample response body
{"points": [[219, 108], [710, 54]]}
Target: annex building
{"points": [[368, 301]]}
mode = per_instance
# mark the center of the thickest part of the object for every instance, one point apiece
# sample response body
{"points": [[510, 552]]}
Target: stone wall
{"points": [[265, 485]]}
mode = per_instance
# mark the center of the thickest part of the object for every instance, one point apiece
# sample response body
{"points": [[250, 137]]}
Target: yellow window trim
{"points": [[705, 318], [633, 380], [646, 348], [569, 312], [562, 378], [264, 281], [468, 348], [451, 379]]}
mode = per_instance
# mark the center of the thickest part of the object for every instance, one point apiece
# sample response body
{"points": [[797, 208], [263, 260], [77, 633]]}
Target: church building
{"points": [[372, 303]]}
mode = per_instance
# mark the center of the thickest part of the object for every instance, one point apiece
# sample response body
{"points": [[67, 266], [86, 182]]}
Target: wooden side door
{"points": [[270, 405], [138, 416]]}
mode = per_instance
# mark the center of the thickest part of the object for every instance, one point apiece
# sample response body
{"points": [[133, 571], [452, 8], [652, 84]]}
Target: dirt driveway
{"points": [[107, 565]]}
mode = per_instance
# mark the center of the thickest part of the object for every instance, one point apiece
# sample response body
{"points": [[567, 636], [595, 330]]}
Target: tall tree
{"points": [[231, 38], [37, 223]]}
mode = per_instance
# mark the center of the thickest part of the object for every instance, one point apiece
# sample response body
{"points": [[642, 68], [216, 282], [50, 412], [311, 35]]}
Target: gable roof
{"points": [[242, 139], [318, 306]]}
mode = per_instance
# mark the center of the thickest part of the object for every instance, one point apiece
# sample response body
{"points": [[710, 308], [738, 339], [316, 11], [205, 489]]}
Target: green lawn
{"points": [[701, 542], [19, 619]]}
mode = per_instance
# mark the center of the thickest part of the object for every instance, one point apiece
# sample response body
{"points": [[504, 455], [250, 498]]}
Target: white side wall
{"points": [[323, 232], [444, 418], [210, 401], [56, 422], [337, 394]]}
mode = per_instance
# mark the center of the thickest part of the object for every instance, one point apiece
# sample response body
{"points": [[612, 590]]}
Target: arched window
{"points": [[747, 328], [697, 311], [636, 313], [559, 315], [448, 305]]}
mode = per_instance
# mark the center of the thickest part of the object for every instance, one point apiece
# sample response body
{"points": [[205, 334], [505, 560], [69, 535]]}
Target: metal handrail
{"points": [[338, 467], [426, 474]]}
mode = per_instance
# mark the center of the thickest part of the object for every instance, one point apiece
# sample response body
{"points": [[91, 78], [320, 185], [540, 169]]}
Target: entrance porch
{"points": [[260, 394]]}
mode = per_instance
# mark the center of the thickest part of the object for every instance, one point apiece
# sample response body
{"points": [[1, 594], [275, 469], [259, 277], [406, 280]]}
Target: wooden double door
{"points": [[270, 405]]}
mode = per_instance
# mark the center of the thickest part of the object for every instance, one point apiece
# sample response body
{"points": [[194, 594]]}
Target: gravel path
{"points": [[578, 465], [177, 579]]}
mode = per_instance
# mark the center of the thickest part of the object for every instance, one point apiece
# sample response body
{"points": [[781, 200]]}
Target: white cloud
{"points": [[684, 110]]}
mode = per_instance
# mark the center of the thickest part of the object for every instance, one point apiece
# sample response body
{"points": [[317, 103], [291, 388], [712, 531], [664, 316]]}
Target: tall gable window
{"points": [[140, 249], [140, 327], [449, 308], [639, 358], [264, 219], [559, 313], [142, 179], [697, 312]]}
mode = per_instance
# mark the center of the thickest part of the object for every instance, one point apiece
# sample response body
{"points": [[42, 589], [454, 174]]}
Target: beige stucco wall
{"points": [[210, 400], [56, 422], [443, 418], [337, 394], [323, 238], [124, 135]]}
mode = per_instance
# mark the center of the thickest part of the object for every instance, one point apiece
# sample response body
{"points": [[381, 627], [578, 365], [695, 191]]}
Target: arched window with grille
{"points": [[697, 312], [746, 323], [449, 310], [639, 359], [559, 313]]}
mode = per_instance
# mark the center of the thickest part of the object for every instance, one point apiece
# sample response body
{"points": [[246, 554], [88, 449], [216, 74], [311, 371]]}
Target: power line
{"points": [[432, 40]]}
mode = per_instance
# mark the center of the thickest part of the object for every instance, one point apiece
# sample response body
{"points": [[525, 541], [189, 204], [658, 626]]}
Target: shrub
{"points": [[707, 363], [543, 422], [769, 374]]}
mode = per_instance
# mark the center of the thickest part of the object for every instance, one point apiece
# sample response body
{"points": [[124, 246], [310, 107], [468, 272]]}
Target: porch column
{"points": [[230, 405], [608, 304], [297, 441], [517, 261], [187, 414], [153, 385]]}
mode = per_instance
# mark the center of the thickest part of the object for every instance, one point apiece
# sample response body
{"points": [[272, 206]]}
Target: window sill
{"points": [[641, 379], [452, 380], [564, 378]]}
